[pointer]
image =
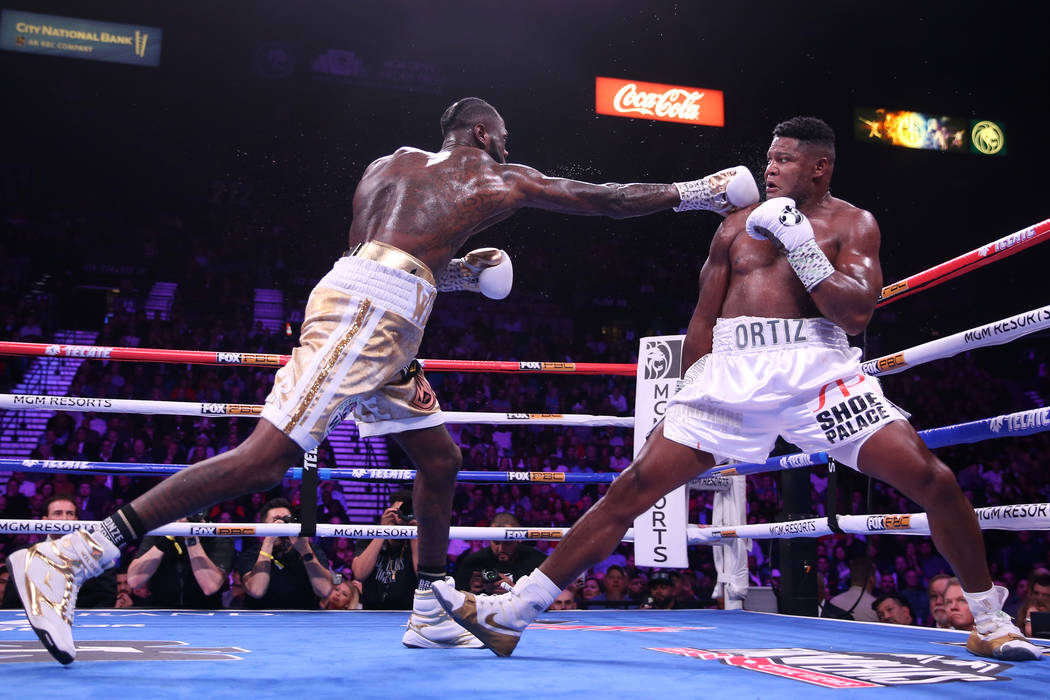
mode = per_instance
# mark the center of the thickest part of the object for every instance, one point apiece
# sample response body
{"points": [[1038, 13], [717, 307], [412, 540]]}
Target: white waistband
{"points": [[395, 290], [755, 334]]}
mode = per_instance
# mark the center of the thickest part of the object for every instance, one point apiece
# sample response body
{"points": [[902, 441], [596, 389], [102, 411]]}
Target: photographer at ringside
{"points": [[387, 568], [502, 562], [183, 572], [284, 573]]}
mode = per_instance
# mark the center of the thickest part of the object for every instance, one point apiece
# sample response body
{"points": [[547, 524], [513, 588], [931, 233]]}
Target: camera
{"points": [[489, 575], [405, 511], [286, 519]]}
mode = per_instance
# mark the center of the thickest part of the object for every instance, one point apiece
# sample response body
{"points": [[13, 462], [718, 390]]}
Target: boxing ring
{"points": [[336, 653], [566, 654]]}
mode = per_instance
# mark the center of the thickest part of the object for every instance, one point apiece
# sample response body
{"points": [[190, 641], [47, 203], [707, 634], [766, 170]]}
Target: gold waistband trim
{"points": [[390, 256]]}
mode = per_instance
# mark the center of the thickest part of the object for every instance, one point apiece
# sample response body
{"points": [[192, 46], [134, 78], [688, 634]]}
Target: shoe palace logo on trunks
{"points": [[853, 415]]}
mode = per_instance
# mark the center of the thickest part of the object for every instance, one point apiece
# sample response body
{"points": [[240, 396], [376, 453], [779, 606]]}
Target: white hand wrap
{"points": [[485, 270], [722, 192], [810, 264]]}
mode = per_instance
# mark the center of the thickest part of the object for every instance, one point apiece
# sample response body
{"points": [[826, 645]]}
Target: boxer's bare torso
{"points": [[429, 204], [747, 277]]}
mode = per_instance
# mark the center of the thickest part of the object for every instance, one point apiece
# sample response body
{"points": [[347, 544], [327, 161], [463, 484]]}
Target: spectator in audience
{"points": [[959, 615], [345, 595], [1024, 615], [1039, 589], [502, 561], [387, 568], [4, 576], [183, 572], [99, 592], [915, 594], [857, 599], [128, 597], [283, 572], [566, 600], [938, 606], [893, 608], [638, 588], [661, 592]]}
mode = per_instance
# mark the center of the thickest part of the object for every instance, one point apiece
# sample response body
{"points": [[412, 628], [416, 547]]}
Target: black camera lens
{"points": [[405, 511], [489, 575]]}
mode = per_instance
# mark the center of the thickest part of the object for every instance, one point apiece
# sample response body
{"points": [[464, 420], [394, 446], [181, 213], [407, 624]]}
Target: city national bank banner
{"points": [[79, 38]]}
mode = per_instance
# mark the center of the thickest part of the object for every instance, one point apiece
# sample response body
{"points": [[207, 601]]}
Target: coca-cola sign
{"points": [[667, 103]]}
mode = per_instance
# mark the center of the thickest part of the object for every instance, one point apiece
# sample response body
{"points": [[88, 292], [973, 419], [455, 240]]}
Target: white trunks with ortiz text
{"points": [[361, 331], [798, 378]]}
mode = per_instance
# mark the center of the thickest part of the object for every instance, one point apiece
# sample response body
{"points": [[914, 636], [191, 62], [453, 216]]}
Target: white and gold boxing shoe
{"points": [[994, 634], [430, 627], [496, 620], [48, 577]]}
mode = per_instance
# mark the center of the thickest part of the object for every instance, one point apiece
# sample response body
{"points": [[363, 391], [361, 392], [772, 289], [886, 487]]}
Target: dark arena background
{"points": [[187, 191]]}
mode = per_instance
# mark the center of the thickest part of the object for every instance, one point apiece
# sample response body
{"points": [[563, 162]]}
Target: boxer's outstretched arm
{"points": [[530, 188]]}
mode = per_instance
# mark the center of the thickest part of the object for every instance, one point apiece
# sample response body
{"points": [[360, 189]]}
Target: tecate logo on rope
{"points": [[77, 351]]}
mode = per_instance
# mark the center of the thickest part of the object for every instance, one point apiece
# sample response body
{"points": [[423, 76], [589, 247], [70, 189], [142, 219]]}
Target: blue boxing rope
{"points": [[1009, 425], [1017, 424], [355, 474]]}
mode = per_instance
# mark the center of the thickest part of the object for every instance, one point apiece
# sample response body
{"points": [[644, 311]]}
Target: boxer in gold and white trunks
{"points": [[783, 284], [413, 210], [362, 327]]}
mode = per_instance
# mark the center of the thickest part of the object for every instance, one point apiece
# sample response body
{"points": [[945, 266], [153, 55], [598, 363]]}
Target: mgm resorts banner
{"points": [[659, 533], [79, 38]]}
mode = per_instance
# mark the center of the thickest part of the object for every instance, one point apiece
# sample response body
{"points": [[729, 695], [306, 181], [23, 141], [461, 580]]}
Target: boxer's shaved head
{"points": [[465, 113], [810, 132]]}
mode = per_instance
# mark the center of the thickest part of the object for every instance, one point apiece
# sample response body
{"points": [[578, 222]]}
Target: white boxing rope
{"points": [[27, 402], [994, 333], [1024, 516], [390, 532]]}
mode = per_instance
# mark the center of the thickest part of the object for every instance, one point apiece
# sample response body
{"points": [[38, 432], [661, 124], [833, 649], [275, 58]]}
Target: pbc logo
{"points": [[544, 534], [889, 522], [893, 290], [663, 359], [220, 531], [886, 363]]}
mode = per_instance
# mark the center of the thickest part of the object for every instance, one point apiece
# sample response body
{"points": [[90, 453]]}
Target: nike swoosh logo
{"points": [[491, 622]]}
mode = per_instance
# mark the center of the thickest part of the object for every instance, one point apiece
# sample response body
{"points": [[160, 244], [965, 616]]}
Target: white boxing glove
{"points": [[485, 270], [723, 192], [778, 220]]}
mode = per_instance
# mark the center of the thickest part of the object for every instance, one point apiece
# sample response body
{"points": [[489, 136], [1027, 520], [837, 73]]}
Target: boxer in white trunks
{"points": [[784, 283], [364, 320]]}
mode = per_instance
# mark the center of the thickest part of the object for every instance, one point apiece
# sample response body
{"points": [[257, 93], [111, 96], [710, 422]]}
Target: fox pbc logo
{"points": [[668, 103], [888, 522], [837, 669]]}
